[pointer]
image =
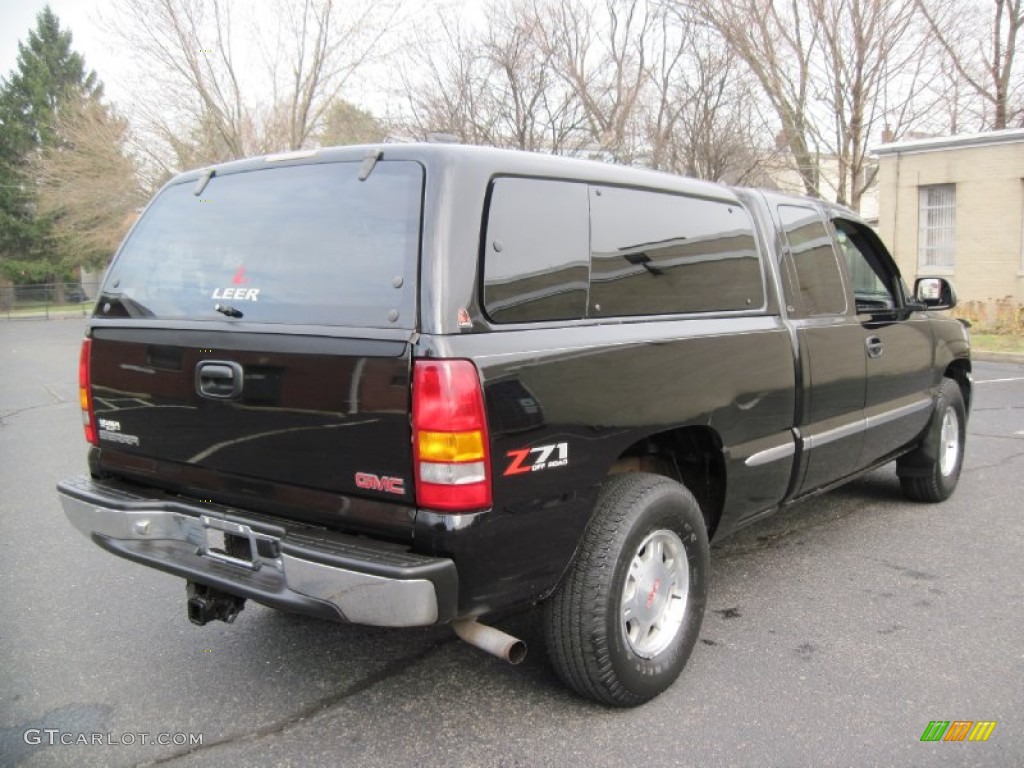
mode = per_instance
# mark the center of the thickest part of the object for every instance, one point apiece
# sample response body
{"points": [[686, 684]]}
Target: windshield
{"points": [[305, 244]]}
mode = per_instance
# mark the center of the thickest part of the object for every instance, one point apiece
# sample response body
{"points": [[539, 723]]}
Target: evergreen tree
{"points": [[48, 75]]}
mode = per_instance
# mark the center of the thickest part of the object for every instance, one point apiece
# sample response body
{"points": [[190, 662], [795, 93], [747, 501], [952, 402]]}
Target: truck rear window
{"points": [[303, 244]]}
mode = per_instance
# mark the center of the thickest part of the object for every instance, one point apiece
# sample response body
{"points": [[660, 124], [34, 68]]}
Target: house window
{"points": [[937, 231]]}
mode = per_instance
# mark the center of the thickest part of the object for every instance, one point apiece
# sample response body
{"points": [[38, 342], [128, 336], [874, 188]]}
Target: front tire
{"points": [[932, 471], [624, 621]]}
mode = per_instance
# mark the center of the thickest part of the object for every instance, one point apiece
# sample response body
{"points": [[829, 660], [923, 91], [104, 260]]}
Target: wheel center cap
{"points": [[653, 593]]}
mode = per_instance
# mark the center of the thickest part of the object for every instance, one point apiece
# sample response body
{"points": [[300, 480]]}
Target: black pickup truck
{"points": [[418, 384]]}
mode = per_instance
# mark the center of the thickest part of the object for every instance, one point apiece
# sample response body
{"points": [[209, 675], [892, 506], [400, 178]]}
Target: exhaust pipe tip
{"points": [[516, 652], [494, 641]]}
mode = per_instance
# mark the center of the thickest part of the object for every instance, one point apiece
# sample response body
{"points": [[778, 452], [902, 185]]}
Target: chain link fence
{"points": [[46, 300]]}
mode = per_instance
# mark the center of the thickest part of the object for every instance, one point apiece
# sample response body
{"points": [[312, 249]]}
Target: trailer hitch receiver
{"points": [[206, 604]]}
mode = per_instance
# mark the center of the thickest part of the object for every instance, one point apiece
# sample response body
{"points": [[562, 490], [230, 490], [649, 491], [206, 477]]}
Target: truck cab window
{"points": [[873, 286], [814, 260]]}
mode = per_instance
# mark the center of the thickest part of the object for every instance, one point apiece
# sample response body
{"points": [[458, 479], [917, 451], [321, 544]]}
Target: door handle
{"points": [[875, 348], [219, 379]]}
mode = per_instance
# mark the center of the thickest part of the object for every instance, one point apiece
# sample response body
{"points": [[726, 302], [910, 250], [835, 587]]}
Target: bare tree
{"points": [[981, 43], [777, 42], [701, 113], [630, 81], [494, 85], [323, 43], [442, 83], [88, 182], [601, 53], [534, 109], [832, 70], [187, 46], [870, 57], [223, 82]]}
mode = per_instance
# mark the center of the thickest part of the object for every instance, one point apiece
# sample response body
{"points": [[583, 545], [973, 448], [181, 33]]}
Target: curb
{"points": [[42, 316], [997, 357]]}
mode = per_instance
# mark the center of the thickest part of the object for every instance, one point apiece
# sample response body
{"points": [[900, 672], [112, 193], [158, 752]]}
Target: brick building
{"points": [[954, 207]]}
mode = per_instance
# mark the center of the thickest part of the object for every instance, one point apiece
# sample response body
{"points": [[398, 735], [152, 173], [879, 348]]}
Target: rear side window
{"points": [[304, 244], [655, 253], [536, 254], [557, 250], [814, 259]]}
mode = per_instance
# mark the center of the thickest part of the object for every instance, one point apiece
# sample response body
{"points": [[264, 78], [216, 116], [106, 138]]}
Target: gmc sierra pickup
{"points": [[411, 385]]}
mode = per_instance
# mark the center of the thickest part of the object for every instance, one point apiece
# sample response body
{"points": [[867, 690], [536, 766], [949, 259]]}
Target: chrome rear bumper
{"points": [[276, 562]]}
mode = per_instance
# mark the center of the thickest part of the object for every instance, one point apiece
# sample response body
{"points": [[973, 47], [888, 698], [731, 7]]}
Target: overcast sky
{"points": [[84, 18], [17, 17]]}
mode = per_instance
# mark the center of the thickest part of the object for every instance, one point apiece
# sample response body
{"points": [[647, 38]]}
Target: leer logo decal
{"points": [[238, 294], [373, 482], [535, 459]]}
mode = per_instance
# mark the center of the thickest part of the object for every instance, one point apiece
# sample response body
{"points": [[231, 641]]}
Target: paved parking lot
{"points": [[836, 631]]}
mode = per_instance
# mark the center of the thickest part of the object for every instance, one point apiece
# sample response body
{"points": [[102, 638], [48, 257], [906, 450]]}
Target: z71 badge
{"points": [[535, 459]]}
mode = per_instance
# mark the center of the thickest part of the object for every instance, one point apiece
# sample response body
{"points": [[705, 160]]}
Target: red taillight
{"points": [[449, 436], [85, 393]]}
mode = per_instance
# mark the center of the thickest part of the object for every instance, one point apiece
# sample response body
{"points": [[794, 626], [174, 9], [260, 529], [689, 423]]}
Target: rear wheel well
{"points": [[689, 455]]}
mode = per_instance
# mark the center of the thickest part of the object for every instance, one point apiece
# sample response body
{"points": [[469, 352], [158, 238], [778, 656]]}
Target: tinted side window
{"points": [[873, 286], [817, 268], [536, 255], [655, 253]]}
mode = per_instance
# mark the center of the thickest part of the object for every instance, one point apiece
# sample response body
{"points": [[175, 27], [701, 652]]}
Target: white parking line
{"points": [[999, 381]]}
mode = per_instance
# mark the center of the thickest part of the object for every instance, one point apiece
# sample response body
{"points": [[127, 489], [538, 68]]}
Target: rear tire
{"points": [[932, 471], [624, 621]]}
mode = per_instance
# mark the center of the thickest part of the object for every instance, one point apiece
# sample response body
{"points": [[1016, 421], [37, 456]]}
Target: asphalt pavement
{"points": [[836, 631]]}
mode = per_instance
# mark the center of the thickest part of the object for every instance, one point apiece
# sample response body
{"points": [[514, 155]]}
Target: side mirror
{"points": [[934, 293]]}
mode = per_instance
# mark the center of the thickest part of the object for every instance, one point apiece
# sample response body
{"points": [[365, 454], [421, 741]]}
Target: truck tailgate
{"points": [[322, 413]]}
